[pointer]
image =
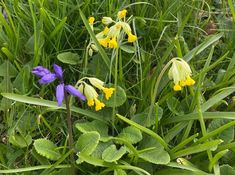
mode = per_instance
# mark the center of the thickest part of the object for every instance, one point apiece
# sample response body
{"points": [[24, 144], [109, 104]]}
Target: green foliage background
{"points": [[187, 132]]}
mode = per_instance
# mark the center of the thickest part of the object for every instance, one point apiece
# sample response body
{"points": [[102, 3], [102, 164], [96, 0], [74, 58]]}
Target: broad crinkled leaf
{"points": [[153, 151], [145, 120], [95, 125], [88, 142], [111, 154], [131, 134], [47, 149]]}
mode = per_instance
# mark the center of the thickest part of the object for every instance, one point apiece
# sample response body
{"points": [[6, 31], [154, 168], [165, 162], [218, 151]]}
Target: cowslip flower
{"points": [[91, 93], [47, 77], [109, 37], [100, 85], [107, 20], [181, 74], [92, 96], [122, 13]]}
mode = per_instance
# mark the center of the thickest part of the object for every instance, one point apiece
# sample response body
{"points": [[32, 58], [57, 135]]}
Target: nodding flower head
{"points": [[91, 93], [107, 20], [48, 77], [110, 36], [181, 74]]}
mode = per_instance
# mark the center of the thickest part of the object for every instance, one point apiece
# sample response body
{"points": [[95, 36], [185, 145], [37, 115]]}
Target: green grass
{"points": [[146, 127]]}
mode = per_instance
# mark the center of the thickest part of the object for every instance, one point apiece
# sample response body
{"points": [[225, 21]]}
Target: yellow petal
{"points": [[122, 13], [90, 102], [91, 20], [131, 38], [189, 81], [104, 42], [108, 92], [106, 30], [113, 43], [177, 87], [98, 105]]}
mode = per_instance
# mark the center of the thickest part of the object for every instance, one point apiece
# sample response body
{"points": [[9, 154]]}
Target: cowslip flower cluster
{"points": [[90, 92], [109, 37], [181, 74], [46, 77]]}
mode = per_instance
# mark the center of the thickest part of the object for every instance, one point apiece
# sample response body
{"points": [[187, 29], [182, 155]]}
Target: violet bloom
{"points": [[48, 77]]}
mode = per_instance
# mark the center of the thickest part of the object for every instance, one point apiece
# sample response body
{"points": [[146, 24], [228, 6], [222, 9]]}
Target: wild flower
{"points": [[47, 77], [109, 37], [181, 74], [91, 94]]}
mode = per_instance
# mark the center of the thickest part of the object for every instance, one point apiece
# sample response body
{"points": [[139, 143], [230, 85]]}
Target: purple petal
{"points": [[73, 91], [48, 78], [60, 93], [40, 71], [58, 71]]}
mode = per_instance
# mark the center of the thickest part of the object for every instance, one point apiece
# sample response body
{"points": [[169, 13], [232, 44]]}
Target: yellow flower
{"points": [[177, 87], [131, 38], [100, 85], [106, 30], [113, 43], [91, 20], [122, 13], [107, 20], [92, 97], [98, 105], [181, 73], [104, 42], [108, 92]]}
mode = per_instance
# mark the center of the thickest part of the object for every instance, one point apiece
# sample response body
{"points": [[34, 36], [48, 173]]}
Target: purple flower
{"points": [[48, 77], [40, 71], [73, 91], [58, 71]]}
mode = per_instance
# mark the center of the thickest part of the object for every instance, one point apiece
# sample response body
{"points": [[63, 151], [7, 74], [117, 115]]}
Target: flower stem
{"points": [[70, 129]]}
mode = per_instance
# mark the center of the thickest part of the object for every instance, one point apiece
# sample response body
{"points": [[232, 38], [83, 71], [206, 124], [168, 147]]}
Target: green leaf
{"points": [[8, 70], [120, 98], [20, 141], [131, 134], [50, 104], [47, 149], [69, 58], [201, 47], [156, 156], [226, 135], [111, 154], [119, 172], [100, 149], [153, 151], [128, 49], [196, 149], [88, 142], [227, 170], [147, 121], [175, 106], [95, 125], [145, 130]]}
